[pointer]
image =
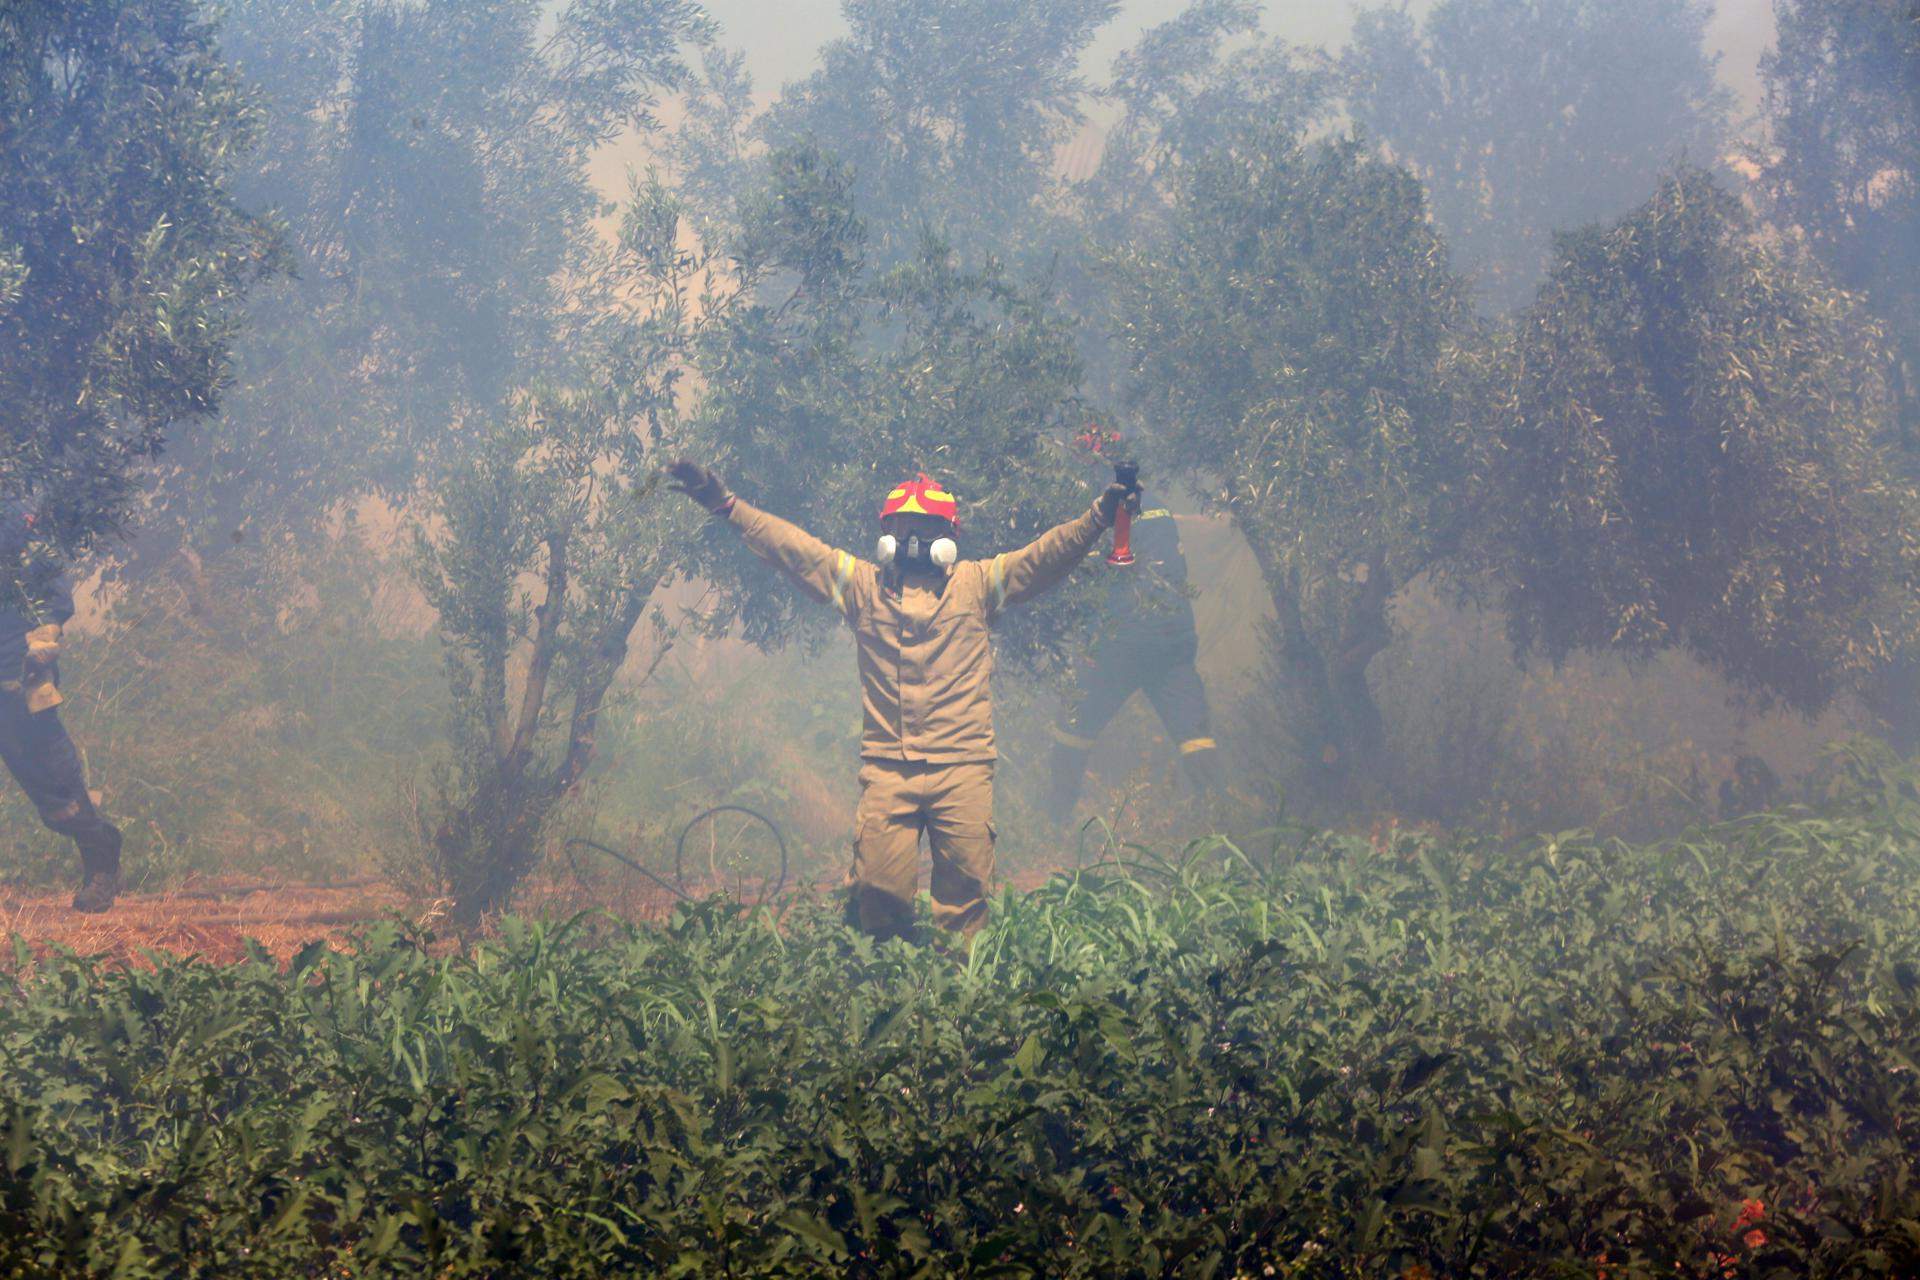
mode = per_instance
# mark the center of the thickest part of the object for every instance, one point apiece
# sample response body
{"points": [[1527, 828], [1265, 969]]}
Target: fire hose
{"points": [[676, 885]]}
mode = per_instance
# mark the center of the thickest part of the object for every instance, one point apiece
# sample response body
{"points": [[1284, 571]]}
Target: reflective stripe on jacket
{"points": [[925, 661]]}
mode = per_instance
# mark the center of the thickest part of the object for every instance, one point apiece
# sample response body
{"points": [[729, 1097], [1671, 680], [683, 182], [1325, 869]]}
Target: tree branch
{"points": [[582, 731], [533, 694]]}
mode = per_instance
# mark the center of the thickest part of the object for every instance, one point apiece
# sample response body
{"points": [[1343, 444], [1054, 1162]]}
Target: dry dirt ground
{"points": [[212, 920]]}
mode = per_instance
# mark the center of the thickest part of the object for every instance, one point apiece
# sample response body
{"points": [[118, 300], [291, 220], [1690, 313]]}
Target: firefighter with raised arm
{"points": [[920, 618], [33, 742], [1148, 644]]}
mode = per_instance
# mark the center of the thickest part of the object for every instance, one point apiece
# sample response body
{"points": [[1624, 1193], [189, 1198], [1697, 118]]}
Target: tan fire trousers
{"points": [[953, 804]]}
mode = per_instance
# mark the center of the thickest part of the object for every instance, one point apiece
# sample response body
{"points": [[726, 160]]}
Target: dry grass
{"points": [[210, 920]]}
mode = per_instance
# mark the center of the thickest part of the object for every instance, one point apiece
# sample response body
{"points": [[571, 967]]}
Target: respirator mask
{"points": [[917, 552]]}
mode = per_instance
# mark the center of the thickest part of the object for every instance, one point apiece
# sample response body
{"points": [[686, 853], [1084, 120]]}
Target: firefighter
{"points": [[33, 742], [920, 618], [1148, 645]]}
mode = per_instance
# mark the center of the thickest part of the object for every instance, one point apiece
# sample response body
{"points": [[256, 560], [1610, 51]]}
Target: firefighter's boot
{"points": [[99, 844]]}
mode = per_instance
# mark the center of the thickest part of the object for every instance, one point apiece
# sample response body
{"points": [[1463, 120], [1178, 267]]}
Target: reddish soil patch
{"points": [[210, 920]]}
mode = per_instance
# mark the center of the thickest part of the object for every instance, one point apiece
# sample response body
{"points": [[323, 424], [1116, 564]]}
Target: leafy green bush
{"points": [[1404, 1057]]}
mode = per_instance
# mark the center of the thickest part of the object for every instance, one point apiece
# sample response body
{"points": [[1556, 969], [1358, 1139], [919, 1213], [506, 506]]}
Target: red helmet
{"points": [[920, 496]]}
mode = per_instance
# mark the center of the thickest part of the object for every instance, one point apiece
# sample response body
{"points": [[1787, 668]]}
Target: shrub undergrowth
{"points": [[1410, 1056]]}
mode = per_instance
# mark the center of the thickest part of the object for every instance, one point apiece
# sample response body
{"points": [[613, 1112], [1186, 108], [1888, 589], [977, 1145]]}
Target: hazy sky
{"points": [[780, 37]]}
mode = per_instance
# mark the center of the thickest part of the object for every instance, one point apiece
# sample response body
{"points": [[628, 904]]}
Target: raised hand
{"points": [[702, 484], [1108, 503]]}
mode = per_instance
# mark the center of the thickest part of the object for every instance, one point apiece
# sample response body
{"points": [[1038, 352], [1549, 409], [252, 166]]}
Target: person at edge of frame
{"points": [[920, 618], [33, 742], [1147, 644]]}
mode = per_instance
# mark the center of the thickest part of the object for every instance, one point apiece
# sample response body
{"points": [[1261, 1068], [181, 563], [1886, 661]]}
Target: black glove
{"points": [[702, 484], [1108, 503]]}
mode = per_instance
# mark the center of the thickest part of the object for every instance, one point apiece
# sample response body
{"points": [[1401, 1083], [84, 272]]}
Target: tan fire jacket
{"points": [[925, 661]]}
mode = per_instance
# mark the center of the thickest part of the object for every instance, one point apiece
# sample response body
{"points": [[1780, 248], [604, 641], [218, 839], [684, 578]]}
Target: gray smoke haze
{"points": [[781, 37]]}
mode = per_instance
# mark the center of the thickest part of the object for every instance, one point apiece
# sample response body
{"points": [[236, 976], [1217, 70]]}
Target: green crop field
{"points": [[1416, 1057]]}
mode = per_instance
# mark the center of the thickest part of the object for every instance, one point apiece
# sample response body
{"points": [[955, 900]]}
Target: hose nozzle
{"points": [[1128, 474]]}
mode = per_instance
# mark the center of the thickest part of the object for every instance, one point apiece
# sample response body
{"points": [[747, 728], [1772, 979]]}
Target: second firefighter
{"points": [[1148, 644]]}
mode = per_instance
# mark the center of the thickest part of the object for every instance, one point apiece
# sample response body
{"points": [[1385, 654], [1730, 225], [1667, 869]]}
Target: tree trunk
{"points": [[1364, 633], [491, 844], [1339, 730], [598, 678], [517, 744]]}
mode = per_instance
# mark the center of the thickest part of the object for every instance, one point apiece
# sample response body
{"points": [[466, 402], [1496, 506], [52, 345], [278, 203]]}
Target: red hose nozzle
{"points": [[1128, 474]]}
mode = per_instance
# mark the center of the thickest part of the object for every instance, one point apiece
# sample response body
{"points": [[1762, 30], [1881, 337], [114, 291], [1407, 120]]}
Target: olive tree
{"points": [[545, 549], [124, 255], [1527, 117], [1695, 457], [1187, 87], [1840, 167], [431, 163], [1294, 341], [1842, 158], [949, 113]]}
